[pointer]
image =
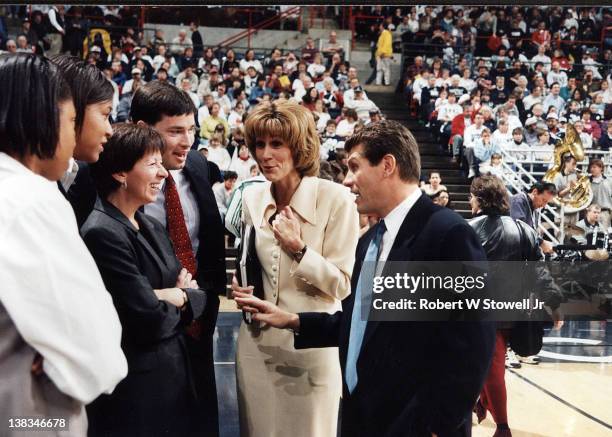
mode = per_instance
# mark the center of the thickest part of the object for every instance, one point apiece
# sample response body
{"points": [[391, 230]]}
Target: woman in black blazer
{"points": [[155, 297]]}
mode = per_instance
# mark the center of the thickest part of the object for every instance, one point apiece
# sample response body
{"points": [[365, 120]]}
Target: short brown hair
{"points": [[597, 162], [129, 143], [491, 194], [389, 137], [292, 123]]}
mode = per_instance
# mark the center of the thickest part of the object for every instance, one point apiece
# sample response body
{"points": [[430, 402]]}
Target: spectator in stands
{"points": [[442, 198], [242, 161], [185, 85], [347, 123], [361, 104], [605, 142], [587, 140], [557, 75], [502, 136], [249, 60], [434, 185], [309, 51], [332, 46], [591, 127], [223, 191], [530, 133], [192, 78], [484, 150], [602, 191], [384, 55], [180, 43], [458, 125], [217, 152], [554, 99], [526, 206], [552, 123], [136, 78], [209, 124], [196, 39], [220, 96], [499, 93]]}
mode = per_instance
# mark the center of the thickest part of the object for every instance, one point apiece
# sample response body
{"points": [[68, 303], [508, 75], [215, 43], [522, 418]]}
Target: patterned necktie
{"points": [[177, 228], [363, 294]]}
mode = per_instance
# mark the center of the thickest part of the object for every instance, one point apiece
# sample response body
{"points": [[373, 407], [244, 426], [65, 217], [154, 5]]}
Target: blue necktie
{"points": [[363, 295]]}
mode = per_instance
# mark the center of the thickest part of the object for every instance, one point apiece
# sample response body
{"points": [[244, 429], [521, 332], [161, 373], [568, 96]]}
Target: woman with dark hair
{"points": [[503, 239], [310, 98], [56, 317], [156, 297], [93, 100], [441, 198]]}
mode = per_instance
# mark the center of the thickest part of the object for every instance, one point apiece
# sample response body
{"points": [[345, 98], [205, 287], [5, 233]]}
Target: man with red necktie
{"points": [[186, 206]]}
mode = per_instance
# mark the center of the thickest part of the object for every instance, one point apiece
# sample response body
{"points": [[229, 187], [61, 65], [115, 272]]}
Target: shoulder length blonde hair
{"points": [[291, 123]]}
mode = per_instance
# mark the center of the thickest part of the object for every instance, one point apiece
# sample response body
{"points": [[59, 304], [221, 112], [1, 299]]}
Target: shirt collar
{"points": [[11, 165], [303, 202], [70, 175], [395, 218]]}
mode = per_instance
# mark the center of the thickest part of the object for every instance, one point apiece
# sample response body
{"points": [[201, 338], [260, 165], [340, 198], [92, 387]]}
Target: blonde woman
{"points": [[306, 234]]}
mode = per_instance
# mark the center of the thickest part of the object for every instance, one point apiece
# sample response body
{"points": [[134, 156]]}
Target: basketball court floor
{"points": [[568, 394]]}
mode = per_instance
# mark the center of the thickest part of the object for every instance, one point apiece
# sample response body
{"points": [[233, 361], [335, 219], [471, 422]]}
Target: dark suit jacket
{"points": [[414, 378], [82, 193], [158, 394], [211, 276], [521, 209]]}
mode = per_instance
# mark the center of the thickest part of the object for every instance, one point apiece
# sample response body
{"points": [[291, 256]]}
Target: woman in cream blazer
{"points": [[306, 233]]}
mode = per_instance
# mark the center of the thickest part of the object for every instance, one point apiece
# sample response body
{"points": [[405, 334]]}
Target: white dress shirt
{"points": [[189, 205], [51, 287], [394, 220]]}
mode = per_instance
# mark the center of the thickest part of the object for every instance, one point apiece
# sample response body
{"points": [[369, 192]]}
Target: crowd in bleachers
{"points": [[223, 83], [527, 76]]}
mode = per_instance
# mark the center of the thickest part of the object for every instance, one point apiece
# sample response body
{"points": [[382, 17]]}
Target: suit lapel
{"points": [[402, 246], [110, 210]]}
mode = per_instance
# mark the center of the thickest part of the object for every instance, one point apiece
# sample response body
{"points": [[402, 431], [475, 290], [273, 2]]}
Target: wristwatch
{"points": [[297, 256]]}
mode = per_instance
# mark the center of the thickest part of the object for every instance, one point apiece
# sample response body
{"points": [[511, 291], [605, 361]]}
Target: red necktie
{"points": [[177, 228]]}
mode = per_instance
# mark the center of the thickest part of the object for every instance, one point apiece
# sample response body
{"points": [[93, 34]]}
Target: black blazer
{"points": [[414, 377], [211, 276], [82, 193], [158, 393]]}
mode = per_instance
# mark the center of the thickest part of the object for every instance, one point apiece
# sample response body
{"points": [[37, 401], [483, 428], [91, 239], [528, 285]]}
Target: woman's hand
{"points": [[175, 296], [287, 231], [266, 312]]}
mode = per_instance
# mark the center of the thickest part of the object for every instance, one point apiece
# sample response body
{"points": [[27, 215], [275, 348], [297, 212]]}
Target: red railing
{"points": [[247, 33]]}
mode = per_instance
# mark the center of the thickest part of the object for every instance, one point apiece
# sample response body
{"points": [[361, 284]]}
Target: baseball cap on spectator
{"points": [[136, 71], [137, 48], [553, 116], [562, 120], [530, 121], [96, 49], [358, 89]]}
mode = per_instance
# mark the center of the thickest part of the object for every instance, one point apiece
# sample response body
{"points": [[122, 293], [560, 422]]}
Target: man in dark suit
{"points": [[186, 206], [526, 207], [400, 378]]}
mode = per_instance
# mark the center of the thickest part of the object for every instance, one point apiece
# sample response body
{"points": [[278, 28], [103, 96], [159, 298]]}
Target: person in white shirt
{"points": [[217, 152], [502, 136], [449, 110], [472, 133], [347, 124], [541, 57], [361, 104], [317, 68], [249, 60], [533, 98], [587, 140], [223, 191], [556, 75], [222, 98], [349, 94], [60, 336], [466, 81], [186, 86], [242, 163], [180, 43], [235, 118]]}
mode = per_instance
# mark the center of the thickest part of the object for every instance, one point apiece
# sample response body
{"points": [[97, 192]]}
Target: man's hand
{"points": [[266, 312], [546, 247]]}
